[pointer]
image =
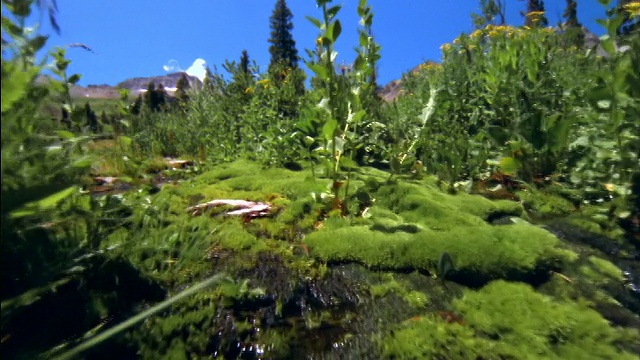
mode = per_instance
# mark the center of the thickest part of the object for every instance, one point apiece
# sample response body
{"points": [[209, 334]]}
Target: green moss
{"points": [[493, 252], [429, 205], [232, 235], [416, 299], [593, 222], [187, 326], [545, 205], [600, 271], [508, 320]]}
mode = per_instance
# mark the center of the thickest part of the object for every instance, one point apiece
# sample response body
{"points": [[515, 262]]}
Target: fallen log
{"points": [[244, 208]]}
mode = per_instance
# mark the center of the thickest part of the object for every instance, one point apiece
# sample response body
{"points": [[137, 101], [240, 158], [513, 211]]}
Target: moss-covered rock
{"points": [[545, 205], [412, 225], [416, 299], [288, 292], [509, 321]]}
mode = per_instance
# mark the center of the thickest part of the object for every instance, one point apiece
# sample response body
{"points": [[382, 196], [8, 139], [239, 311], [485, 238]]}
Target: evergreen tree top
{"points": [[283, 46]]}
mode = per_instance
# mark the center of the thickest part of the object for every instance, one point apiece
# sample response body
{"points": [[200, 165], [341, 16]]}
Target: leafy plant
{"points": [[341, 109], [610, 142]]}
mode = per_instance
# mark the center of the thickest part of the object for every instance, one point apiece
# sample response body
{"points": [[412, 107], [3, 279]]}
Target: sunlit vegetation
{"points": [[491, 211]]}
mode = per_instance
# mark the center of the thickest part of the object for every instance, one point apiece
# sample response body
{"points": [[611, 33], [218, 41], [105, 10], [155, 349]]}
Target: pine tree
{"points": [[155, 97], [149, 96], [573, 28], [182, 86], [91, 120], [160, 97], [490, 10], [535, 19], [207, 83], [244, 62], [283, 47], [137, 105]]}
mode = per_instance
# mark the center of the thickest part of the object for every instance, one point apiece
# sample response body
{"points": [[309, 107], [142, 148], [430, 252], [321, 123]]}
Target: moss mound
{"points": [[509, 321], [412, 224]]}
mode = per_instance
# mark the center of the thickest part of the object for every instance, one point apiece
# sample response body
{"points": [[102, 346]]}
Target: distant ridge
{"points": [[168, 81], [134, 85]]}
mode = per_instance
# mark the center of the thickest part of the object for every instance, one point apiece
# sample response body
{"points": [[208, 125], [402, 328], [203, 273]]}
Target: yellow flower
{"points": [[445, 47], [264, 83], [535, 16], [248, 90], [633, 8]]}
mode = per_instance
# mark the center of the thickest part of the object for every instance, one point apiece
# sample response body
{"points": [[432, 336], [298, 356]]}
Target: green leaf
{"points": [[308, 140], [43, 204], [319, 70], [83, 162], [53, 200], [124, 140], [348, 162], [333, 31], [509, 165], [445, 265], [317, 23], [14, 84], [355, 118], [332, 11], [67, 135], [37, 43], [329, 128], [363, 39], [359, 64], [73, 79], [608, 44]]}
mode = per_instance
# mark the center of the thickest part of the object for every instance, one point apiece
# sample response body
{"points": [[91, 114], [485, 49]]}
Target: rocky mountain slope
{"points": [[134, 85]]}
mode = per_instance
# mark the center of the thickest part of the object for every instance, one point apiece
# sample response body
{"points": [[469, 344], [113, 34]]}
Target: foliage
{"points": [[155, 97], [341, 112], [490, 10], [629, 11], [535, 15], [508, 320], [182, 88], [610, 141], [41, 160], [572, 27], [554, 124], [283, 47]]}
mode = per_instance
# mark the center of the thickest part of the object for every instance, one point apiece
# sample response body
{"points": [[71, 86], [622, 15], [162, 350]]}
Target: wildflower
{"points": [[535, 16], [445, 47], [632, 8], [248, 90], [264, 83]]}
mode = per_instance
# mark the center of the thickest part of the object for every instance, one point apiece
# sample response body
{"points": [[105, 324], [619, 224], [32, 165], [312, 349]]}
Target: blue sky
{"points": [[138, 38]]}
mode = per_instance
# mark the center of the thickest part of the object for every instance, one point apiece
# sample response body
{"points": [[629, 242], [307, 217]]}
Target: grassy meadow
{"points": [[491, 211]]}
